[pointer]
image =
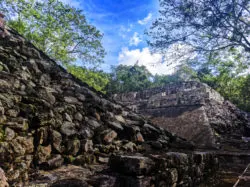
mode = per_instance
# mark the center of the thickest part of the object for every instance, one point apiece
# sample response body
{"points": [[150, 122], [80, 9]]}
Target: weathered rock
{"points": [[86, 132], [4, 84], [1, 110], [54, 162], [132, 165], [57, 141], [115, 125], [12, 113], [156, 145], [68, 129], [130, 147], [81, 97], [3, 179], [46, 94], [103, 181], [109, 136], [67, 117], [103, 160], [9, 134], [43, 153], [87, 145], [5, 151], [120, 119], [19, 126], [78, 116], [85, 159], [71, 100], [3, 119], [69, 176], [139, 137], [70, 183], [98, 117], [73, 146], [22, 145], [43, 135], [93, 124]]}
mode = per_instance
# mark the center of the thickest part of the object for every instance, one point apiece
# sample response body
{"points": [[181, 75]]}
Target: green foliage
{"points": [[245, 94], [129, 78], [223, 76], [218, 32], [96, 79], [1, 133], [226, 79], [59, 30], [162, 80], [62, 32], [184, 73], [206, 25], [135, 78]]}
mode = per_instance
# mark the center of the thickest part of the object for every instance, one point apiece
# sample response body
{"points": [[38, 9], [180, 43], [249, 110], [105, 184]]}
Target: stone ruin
{"points": [[194, 111], [57, 131]]}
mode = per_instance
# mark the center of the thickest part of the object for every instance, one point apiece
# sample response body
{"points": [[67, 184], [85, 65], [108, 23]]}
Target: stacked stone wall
{"points": [[193, 111], [49, 119]]}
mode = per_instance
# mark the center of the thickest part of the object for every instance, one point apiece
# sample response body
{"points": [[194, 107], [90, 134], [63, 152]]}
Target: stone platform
{"points": [[194, 111], [57, 131]]}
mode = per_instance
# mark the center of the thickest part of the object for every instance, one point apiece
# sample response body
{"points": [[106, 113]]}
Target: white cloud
{"points": [[124, 30], [135, 40], [142, 57], [130, 27], [157, 63], [124, 36], [127, 28], [146, 19]]}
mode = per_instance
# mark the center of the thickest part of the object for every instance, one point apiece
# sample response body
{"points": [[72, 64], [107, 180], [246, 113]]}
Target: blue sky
{"points": [[119, 20], [122, 22]]}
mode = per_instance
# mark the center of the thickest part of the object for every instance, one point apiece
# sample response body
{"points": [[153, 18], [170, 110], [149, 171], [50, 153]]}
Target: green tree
{"points": [[96, 79], [226, 78], [206, 25], [129, 78], [244, 93], [135, 78], [62, 32], [58, 29], [183, 73], [162, 80]]}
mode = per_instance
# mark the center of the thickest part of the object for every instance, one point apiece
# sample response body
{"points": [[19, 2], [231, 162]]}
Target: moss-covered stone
{"points": [[69, 159], [1, 133], [85, 159], [28, 108]]}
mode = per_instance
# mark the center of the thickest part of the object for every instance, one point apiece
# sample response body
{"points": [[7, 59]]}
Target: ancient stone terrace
{"points": [[193, 111], [57, 131]]}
